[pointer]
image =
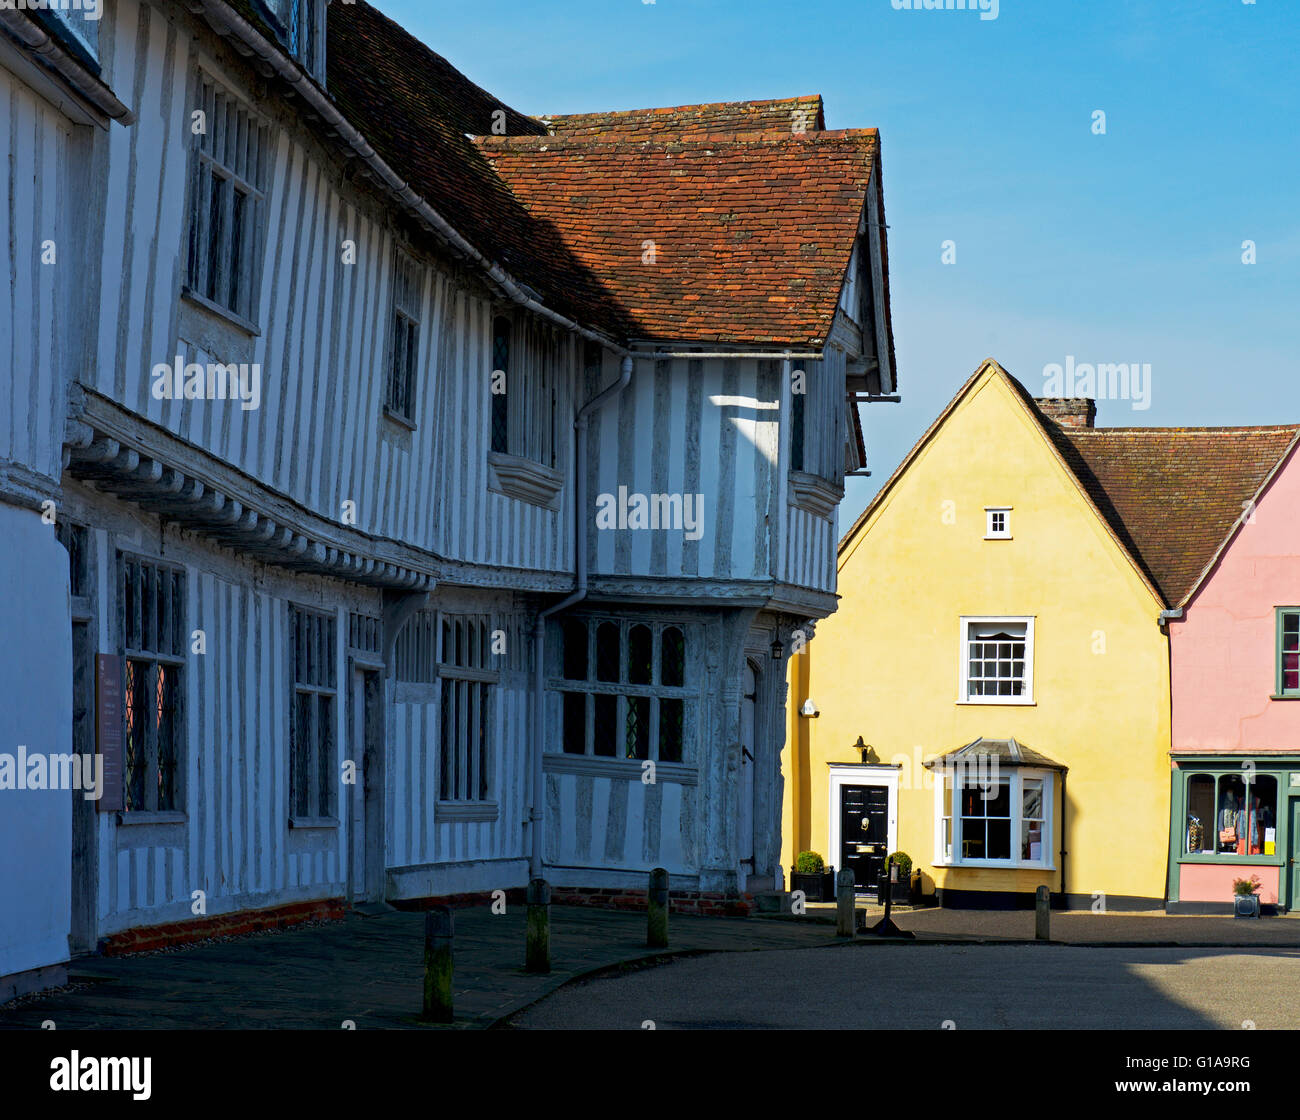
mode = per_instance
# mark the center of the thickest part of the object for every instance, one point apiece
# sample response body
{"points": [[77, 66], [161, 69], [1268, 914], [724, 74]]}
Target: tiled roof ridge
{"points": [[622, 115], [697, 142], [1176, 429]]}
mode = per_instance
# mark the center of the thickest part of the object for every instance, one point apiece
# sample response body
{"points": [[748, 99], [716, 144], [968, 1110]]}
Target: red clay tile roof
{"points": [[751, 232], [1177, 491], [753, 228], [415, 109], [685, 122]]}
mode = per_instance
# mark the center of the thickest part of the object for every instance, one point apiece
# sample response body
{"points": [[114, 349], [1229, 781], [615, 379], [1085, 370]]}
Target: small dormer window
{"points": [[300, 26], [997, 523]]}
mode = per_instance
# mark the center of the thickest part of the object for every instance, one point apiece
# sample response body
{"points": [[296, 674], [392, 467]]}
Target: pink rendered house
{"points": [[1235, 682]]}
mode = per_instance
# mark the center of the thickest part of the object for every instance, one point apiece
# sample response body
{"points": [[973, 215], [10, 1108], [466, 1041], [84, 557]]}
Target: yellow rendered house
{"points": [[992, 695]]}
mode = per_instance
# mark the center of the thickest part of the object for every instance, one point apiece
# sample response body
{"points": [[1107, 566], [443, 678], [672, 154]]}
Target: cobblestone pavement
{"points": [[368, 971]]}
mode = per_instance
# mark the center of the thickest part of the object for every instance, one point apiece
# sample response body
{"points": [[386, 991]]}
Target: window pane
{"points": [[997, 798], [1032, 796], [640, 654], [325, 759], [671, 714], [1031, 840], [500, 365], [575, 650], [1230, 821], [575, 723], [1200, 814], [166, 698], [481, 746], [137, 716], [972, 838], [607, 652], [638, 727], [605, 731], [302, 754], [673, 669], [1258, 821], [235, 300], [999, 840]]}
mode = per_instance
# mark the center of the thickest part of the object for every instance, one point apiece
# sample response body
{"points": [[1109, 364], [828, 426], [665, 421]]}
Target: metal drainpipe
{"points": [[1065, 898], [536, 812]]}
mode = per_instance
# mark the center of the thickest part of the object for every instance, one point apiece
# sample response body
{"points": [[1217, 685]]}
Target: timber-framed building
{"points": [[403, 496]]}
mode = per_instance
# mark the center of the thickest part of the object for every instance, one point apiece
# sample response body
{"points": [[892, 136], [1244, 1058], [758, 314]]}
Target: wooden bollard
{"points": [[845, 903], [437, 964], [1043, 914], [656, 936], [537, 955]]}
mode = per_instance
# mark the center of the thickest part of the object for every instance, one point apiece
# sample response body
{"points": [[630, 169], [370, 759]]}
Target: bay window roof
{"points": [[1007, 752]]}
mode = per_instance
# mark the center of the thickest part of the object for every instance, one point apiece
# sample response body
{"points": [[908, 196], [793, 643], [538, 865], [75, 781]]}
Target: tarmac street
{"points": [[936, 987]]}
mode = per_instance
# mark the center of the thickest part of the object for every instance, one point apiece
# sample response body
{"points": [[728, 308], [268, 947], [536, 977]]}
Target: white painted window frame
{"points": [[991, 532], [947, 777], [963, 659]]}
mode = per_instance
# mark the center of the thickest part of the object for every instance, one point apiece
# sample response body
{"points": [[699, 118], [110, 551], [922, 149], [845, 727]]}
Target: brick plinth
{"points": [[145, 939], [702, 903]]}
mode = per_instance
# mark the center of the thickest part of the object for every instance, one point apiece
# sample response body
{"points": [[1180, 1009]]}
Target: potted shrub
{"points": [[810, 876], [900, 891], [1246, 901]]}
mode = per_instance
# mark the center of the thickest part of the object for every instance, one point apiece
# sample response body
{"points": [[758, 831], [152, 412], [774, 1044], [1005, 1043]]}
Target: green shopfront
{"points": [[1234, 818]]}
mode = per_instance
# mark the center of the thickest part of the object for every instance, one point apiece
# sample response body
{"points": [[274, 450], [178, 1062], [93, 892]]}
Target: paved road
{"points": [[923, 986]]}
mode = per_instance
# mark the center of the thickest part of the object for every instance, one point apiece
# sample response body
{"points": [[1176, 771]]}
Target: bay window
{"points": [[993, 818]]}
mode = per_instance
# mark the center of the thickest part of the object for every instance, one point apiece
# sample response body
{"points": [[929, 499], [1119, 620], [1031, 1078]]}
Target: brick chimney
{"points": [[1069, 412]]}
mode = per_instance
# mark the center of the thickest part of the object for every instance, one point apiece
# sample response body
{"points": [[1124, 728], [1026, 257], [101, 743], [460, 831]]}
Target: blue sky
{"points": [[1123, 247]]}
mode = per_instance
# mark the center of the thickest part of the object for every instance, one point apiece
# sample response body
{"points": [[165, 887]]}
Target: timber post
{"points": [[845, 902], [537, 953], [1043, 914], [438, 964], [657, 910]]}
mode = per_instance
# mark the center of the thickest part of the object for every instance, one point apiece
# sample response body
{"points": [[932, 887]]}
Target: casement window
{"points": [[300, 27], [989, 819], [72, 24], [624, 691], [466, 676], [404, 337], [817, 424], [152, 610], [997, 523], [313, 713], [227, 197], [415, 653], [1229, 814], [1288, 652], [997, 661], [524, 358], [798, 420]]}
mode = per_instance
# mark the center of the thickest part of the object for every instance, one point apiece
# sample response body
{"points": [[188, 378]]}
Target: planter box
{"points": [[817, 886], [1245, 906], [810, 884]]}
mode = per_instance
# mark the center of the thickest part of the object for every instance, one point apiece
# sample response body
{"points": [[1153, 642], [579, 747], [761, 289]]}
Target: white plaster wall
{"points": [[35, 711]]}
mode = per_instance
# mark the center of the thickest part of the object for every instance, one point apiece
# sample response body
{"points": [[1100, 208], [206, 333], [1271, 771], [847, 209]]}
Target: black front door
{"points": [[864, 833]]}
